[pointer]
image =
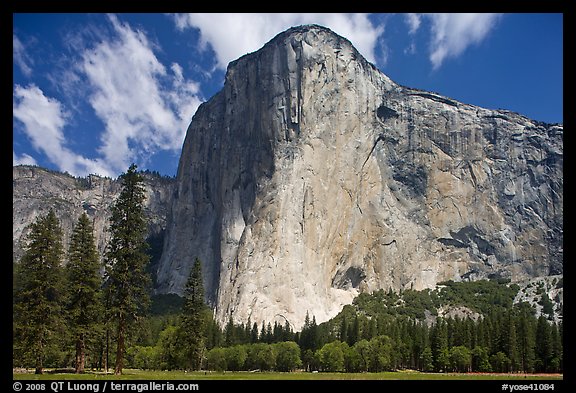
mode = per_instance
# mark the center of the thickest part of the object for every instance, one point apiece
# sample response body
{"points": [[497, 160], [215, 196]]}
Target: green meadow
{"points": [[133, 374]]}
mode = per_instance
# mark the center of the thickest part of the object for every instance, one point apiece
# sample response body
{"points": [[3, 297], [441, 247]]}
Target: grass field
{"points": [[243, 375]]}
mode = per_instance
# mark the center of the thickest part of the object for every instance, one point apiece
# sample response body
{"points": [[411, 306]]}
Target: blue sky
{"points": [[93, 93]]}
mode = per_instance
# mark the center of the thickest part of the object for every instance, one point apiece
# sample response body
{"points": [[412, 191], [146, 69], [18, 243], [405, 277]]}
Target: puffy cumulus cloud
{"points": [[144, 106], [452, 34], [43, 120], [234, 35]]}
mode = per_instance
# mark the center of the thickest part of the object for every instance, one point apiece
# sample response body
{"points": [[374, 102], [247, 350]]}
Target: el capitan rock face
{"points": [[312, 177]]}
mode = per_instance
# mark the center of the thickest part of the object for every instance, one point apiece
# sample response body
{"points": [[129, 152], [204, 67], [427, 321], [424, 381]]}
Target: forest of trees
{"points": [[68, 314], [60, 299], [503, 341]]}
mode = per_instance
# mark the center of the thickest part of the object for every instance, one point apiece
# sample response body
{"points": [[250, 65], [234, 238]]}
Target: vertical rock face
{"points": [[37, 190], [312, 177]]}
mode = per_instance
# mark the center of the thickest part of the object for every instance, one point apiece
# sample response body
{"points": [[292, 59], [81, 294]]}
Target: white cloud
{"points": [[452, 34], [44, 119], [145, 107], [234, 35], [413, 21], [20, 57], [24, 159]]}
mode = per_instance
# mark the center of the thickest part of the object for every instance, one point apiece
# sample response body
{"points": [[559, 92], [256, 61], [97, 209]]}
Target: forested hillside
{"points": [[459, 326]]}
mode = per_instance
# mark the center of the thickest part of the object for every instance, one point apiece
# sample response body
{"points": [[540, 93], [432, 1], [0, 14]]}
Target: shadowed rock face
{"points": [[311, 177]]}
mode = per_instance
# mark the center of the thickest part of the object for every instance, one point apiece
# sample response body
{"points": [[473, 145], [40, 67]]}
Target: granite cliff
{"points": [[312, 176], [37, 190]]}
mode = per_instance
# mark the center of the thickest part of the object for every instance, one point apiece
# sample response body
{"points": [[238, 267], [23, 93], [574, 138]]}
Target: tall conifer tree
{"points": [[126, 259], [38, 291], [193, 321], [544, 345], [84, 303]]}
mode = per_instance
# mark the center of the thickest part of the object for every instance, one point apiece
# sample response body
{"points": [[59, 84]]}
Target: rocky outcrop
{"points": [[37, 190], [551, 289], [311, 177]]}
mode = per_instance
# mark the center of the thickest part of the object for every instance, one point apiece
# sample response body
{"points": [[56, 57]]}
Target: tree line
{"points": [[503, 341]]}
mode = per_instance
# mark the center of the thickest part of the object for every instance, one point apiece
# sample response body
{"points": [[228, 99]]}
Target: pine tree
{"points": [[512, 342], [543, 345], [193, 320], [263, 333], [354, 332], [526, 341], [305, 342], [230, 338], [127, 281], [254, 333], [287, 333], [213, 332], [426, 360], [371, 331], [556, 355], [277, 332], [439, 345], [38, 294], [247, 331], [269, 334], [84, 304], [344, 330]]}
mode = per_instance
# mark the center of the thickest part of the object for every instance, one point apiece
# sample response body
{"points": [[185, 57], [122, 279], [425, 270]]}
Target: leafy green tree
{"points": [[38, 291], [364, 351], [126, 259], [193, 320], [309, 360], [172, 355], [235, 357], [287, 356], [143, 357], [332, 357], [480, 360], [443, 360], [216, 359], [381, 353], [426, 360], [261, 356], [352, 360], [500, 362], [460, 358], [84, 303]]}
